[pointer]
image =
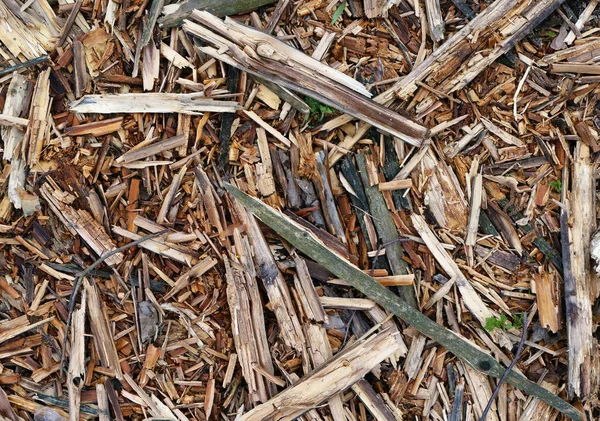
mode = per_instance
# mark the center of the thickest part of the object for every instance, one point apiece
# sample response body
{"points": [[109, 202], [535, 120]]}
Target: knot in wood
{"points": [[265, 50]]}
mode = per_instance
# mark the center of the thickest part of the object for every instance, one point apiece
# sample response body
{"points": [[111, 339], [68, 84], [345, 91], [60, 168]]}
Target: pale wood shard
{"points": [[374, 8], [196, 271], [245, 282], [579, 290], [18, 191], [80, 222], [103, 337], [338, 374], [320, 352], [170, 196], [435, 20], [13, 108], [268, 128], [245, 331], [443, 195], [140, 153], [277, 290], [583, 68], [102, 397], [455, 148], [25, 36], [171, 251], [399, 184], [315, 310], [502, 134], [13, 328], [151, 103], [347, 303], [474, 213], [480, 385], [76, 371]]}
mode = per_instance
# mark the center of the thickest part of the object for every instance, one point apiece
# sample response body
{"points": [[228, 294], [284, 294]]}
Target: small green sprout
{"points": [[318, 110], [556, 185], [503, 323]]}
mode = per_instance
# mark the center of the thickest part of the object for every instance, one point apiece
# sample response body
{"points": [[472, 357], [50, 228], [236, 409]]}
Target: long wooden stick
{"points": [[306, 242]]}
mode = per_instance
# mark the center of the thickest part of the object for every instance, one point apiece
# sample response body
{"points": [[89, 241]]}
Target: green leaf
{"points": [[318, 110], [338, 12], [556, 185], [491, 323]]}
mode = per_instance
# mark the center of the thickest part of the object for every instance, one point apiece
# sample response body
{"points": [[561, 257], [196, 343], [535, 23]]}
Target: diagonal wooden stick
{"points": [[306, 242]]}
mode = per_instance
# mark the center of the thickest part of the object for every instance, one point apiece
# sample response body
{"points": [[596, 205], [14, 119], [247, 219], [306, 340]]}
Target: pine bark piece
{"points": [[80, 222], [151, 102], [579, 285], [269, 58], [470, 354], [337, 375], [386, 229], [102, 334]]}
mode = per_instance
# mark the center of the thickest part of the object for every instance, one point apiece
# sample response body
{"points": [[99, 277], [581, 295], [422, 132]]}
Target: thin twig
{"points": [[80, 275], [29, 63], [508, 370]]}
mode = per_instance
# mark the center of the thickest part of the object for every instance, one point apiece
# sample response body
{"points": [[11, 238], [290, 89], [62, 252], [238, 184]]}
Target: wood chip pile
{"points": [[341, 210]]}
